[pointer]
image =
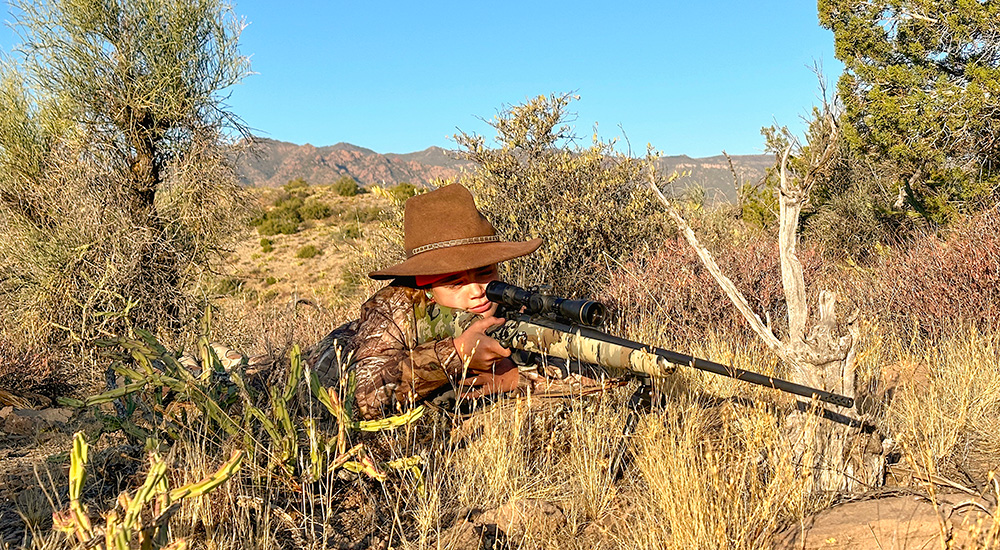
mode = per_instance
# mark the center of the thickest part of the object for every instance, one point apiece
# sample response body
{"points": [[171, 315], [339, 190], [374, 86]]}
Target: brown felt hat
{"points": [[443, 232]]}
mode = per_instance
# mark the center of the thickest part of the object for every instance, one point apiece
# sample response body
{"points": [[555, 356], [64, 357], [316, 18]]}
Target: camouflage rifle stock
{"points": [[540, 323]]}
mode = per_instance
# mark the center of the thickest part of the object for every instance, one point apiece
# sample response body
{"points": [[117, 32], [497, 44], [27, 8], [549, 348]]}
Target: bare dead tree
{"points": [[839, 454]]}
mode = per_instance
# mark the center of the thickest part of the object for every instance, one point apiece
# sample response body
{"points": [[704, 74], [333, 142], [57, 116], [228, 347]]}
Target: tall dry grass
{"points": [[710, 467]]}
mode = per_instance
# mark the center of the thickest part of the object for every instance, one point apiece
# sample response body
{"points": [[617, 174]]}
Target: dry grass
{"points": [[950, 423], [704, 470]]}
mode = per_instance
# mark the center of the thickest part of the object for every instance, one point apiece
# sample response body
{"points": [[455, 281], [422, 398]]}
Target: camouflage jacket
{"points": [[401, 350]]}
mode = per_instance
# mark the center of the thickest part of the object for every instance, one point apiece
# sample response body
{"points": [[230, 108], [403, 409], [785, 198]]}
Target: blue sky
{"points": [[688, 77]]}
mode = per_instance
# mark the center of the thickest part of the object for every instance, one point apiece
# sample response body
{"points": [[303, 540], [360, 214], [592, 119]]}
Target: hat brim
{"points": [[458, 258]]}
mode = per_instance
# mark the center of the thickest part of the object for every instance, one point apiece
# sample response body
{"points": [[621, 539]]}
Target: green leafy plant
{"points": [[141, 517], [163, 396], [402, 191], [116, 184], [586, 203], [297, 184], [315, 210], [919, 95], [266, 245], [284, 221]]}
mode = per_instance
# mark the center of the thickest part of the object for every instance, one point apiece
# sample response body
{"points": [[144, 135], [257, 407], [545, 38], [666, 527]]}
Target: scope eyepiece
{"points": [[583, 312]]}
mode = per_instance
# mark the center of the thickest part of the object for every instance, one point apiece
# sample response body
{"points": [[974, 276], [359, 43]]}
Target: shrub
{"points": [[273, 226], [852, 212], [268, 295], [266, 245], [109, 220], [402, 191], [270, 281], [315, 210], [284, 220], [346, 187], [938, 284], [352, 231], [288, 202], [297, 184], [586, 204], [674, 290], [307, 251]]}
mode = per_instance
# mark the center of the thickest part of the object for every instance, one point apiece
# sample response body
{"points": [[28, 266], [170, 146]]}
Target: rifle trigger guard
{"points": [[507, 337]]}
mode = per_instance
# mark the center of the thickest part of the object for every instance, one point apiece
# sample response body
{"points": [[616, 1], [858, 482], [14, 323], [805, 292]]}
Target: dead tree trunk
{"points": [[840, 454], [830, 443]]}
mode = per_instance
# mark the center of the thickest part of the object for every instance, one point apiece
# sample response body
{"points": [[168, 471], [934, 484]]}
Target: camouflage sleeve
{"points": [[391, 369]]}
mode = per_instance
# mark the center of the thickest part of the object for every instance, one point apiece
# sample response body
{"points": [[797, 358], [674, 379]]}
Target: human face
{"points": [[467, 290]]}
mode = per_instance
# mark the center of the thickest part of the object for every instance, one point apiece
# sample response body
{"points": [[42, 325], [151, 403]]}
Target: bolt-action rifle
{"points": [[537, 322]]}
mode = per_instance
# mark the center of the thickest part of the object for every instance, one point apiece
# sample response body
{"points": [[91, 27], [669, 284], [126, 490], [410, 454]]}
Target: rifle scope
{"points": [[584, 312]]}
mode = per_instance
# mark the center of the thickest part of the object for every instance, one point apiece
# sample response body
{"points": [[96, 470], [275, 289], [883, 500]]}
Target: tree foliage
{"points": [[921, 91], [586, 203], [115, 182]]}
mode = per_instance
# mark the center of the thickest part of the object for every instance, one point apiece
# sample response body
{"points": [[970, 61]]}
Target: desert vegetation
{"points": [[174, 341]]}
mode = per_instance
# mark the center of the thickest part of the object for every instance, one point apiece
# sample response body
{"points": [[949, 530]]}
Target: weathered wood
{"points": [[733, 293], [789, 206], [839, 455]]}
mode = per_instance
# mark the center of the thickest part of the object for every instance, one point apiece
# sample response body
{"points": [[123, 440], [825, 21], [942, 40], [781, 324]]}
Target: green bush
{"points": [[284, 220], [289, 202], [266, 245], [307, 251], [315, 210], [403, 191], [346, 187], [289, 211], [97, 237], [297, 184], [268, 295], [589, 205], [276, 226], [270, 281]]}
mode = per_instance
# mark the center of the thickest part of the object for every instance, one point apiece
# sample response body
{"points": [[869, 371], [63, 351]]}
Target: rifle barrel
{"points": [[695, 362]]}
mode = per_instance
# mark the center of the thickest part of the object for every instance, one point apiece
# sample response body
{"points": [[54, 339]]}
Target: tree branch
{"points": [[733, 293]]}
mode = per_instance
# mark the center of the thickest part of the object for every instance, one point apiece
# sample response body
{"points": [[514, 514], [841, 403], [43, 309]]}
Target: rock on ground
{"points": [[892, 523], [524, 519]]}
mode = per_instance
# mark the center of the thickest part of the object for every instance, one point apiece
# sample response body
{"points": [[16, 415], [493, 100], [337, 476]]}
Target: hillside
{"points": [[713, 174], [272, 163]]}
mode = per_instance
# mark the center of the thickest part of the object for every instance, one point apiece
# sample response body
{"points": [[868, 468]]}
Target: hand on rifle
{"points": [[486, 363]]}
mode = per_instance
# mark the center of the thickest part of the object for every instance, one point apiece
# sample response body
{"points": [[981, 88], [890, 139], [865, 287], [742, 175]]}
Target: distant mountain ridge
{"points": [[272, 163]]}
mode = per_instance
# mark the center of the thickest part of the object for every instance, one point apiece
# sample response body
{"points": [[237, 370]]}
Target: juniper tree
{"points": [[921, 91]]}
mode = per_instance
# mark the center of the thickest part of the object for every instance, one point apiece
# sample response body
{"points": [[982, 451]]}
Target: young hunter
{"points": [[401, 349]]}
